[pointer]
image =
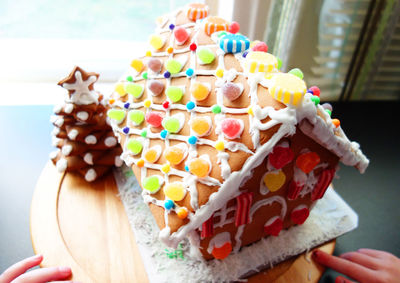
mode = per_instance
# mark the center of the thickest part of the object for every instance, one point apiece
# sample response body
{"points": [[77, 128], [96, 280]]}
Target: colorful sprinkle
{"points": [[234, 43], [126, 105], [336, 123], [144, 133], [234, 27], [176, 154], [165, 104], [152, 184], [190, 105], [205, 55], [147, 103], [181, 35], [307, 161], [154, 118], [232, 91], [315, 99], [260, 46], [219, 73], [189, 72], [175, 191], [140, 163], [116, 114], [129, 78], [315, 90], [156, 87], [134, 89], [145, 75], [193, 47], [134, 145], [220, 145], [136, 117], [232, 128], [137, 64], [167, 74], [187, 168], [216, 109], [182, 212], [250, 111], [245, 54], [192, 140], [200, 91], [111, 101], [154, 64], [274, 180], [199, 167], [126, 130], [166, 168], [148, 53], [174, 93], [156, 41], [164, 134], [119, 88], [297, 72], [171, 26], [169, 204], [170, 50], [201, 125]]}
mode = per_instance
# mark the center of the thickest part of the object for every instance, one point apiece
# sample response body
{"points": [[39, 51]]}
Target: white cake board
{"points": [[330, 218]]}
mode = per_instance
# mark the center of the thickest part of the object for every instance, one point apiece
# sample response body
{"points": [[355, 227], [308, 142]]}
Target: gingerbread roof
{"points": [[202, 108]]}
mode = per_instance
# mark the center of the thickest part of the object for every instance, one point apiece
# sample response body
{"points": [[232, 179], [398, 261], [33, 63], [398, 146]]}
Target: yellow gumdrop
{"points": [[200, 91], [274, 180], [199, 167], [200, 125], [151, 155], [166, 168], [119, 88], [219, 145], [156, 41], [174, 155], [175, 191], [137, 64]]}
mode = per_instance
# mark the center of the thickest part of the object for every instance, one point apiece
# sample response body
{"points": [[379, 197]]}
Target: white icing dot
{"points": [[110, 141], [68, 108], [57, 108], [82, 115], [118, 161], [90, 139], [73, 134], [55, 131], [55, 141], [61, 165], [88, 158], [66, 149], [53, 154], [59, 121], [90, 175]]}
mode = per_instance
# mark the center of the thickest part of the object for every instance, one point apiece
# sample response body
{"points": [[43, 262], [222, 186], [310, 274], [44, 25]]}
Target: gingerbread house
{"points": [[227, 148]]}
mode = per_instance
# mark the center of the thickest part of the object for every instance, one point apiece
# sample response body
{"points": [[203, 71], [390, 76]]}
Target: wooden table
{"points": [[84, 226]]}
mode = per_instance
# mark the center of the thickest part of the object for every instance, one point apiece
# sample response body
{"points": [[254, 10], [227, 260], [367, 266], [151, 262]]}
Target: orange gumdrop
{"points": [[336, 122], [199, 167], [222, 252], [307, 161], [200, 91], [174, 155]]}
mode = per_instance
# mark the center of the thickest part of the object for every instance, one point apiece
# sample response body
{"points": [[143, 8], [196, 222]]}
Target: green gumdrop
{"points": [[116, 114], [134, 145], [136, 90], [136, 116], [297, 72], [216, 109], [315, 99], [206, 55], [171, 124], [279, 62], [151, 184], [173, 66], [174, 93]]}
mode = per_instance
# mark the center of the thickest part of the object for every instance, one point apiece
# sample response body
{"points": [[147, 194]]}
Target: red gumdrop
{"points": [[260, 46], [232, 128], [294, 190], [280, 157], [181, 35], [274, 228], [234, 27], [299, 215], [316, 91], [154, 118]]}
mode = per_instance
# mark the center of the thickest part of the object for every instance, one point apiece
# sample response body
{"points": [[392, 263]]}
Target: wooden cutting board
{"points": [[84, 226]]}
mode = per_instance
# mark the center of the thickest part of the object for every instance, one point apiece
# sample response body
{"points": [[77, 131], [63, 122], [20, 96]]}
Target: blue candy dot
{"points": [[187, 168], [189, 72], [192, 140], [169, 204], [167, 74], [164, 134], [190, 105], [126, 105], [245, 54], [126, 130], [171, 26]]}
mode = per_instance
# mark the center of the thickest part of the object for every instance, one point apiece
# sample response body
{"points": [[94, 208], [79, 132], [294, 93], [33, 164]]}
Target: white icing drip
{"points": [[82, 115], [68, 108], [110, 141], [82, 95], [66, 149], [90, 175], [218, 241], [91, 139], [88, 158], [73, 134]]}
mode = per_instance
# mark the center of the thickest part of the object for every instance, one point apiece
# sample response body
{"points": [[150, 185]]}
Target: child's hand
{"points": [[364, 265], [16, 273]]}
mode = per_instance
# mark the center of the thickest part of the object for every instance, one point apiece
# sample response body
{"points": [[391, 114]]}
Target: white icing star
{"points": [[82, 95]]}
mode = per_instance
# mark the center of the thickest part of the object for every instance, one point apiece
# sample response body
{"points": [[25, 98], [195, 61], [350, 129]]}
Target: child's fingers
{"points": [[351, 269], [19, 268], [341, 279], [374, 253], [361, 259], [44, 275]]}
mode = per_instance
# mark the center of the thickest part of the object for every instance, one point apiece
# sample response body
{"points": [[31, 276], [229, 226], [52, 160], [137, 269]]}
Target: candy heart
{"points": [[136, 117], [300, 214], [280, 157], [152, 184], [174, 93], [134, 89], [116, 114], [181, 35], [205, 56], [174, 124], [201, 125], [156, 87], [274, 226], [154, 119], [307, 161], [200, 91], [175, 191], [154, 64], [232, 91], [199, 167], [175, 154], [232, 128], [174, 66], [134, 145], [274, 180], [152, 154]]}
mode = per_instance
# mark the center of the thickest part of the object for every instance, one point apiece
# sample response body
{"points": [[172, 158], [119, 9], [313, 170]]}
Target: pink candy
{"points": [[234, 27], [154, 119], [155, 65], [232, 128], [156, 87], [260, 46], [181, 35], [231, 91]]}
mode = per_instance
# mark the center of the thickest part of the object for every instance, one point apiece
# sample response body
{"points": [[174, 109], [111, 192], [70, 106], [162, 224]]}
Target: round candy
{"points": [[144, 133], [154, 118], [176, 154], [193, 47], [190, 105], [192, 140], [156, 41], [200, 91], [145, 75], [197, 11], [137, 64], [182, 212], [205, 55], [171, 124], [140, 163], [260, 46], [134, 145], [169, 204], [189, 72], [166, 168], [336, 122], [234, 27], [201, 125], [297, 72], [327, 106], [174, 93], [307, 161], [147, 103], [232, 128], [175, 191], [216, 109], [136, 117], [154, 64], [181, 35], [167, 74], [165, 104], [134, 89], [171, 26], [126, 130], [232, 91], [119, 88], [315, 99], [213, 24], [257, 61], [274, 180], [315, 90], [164, 134], [199, 167], [234, 43], [156, 87], [287, 88], [152, 184], [223, 251], [126, 105], [116, 114], [219, 73], [219, 145], [148, 53], [170, 50], [152, 154]]}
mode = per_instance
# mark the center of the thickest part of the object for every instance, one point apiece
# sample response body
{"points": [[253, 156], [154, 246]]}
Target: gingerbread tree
{"points": [[85, 141]]}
